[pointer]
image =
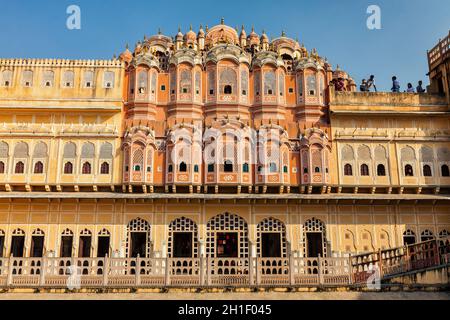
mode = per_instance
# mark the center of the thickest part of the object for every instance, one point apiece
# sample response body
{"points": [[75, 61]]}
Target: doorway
{"points": [[314, 244], [37, 246], [84, 249], [182, 247], [138, 244], [227, 245], [17, 246], [66, 246], [103, 246], [2, 244], [271, 245]]}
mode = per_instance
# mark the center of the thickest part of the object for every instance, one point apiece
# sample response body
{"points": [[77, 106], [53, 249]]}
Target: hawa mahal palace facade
{"points": [[216, 144]]}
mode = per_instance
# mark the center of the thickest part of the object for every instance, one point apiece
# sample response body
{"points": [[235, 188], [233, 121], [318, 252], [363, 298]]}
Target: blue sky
{"points": [[337, 28]]}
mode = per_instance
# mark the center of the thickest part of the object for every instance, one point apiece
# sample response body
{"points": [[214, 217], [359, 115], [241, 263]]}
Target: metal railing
{"points": [[50, 272]]}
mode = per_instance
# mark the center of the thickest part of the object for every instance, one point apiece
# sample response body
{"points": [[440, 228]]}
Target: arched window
{"points": [[285, 169], [269, 83], [88, 79], [409, 237], [142, 82], [68, 79], [427, 171], [426, 235], [137, 167], [170, 168], [68, 168], [108, 79], [183, 167], [381, 171], [2, 167], [20, 168], [27, 78], [409, 171], [104, 168], [211, 167], [273, 167], [348, 170], [70, 150], [245, 168], [48, 78], [38, 167], [444, 170], [227, 89], [364, 170], [7, 76], [185, 81], [196, 168], [228, 166], [317, 169], [86, 168]]}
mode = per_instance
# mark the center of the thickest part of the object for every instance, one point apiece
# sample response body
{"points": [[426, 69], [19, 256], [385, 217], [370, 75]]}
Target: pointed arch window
{"points": [[381, 171], [183, 167], [68, 168], [348, 171], [39, 167], [445, 171], [20, 168], [104, 168], [409, 171], [86, 168], [427, 171], [364, 170]]}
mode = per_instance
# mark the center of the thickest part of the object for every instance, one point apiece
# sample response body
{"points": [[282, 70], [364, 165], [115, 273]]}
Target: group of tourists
{"points": [[367, 85]]}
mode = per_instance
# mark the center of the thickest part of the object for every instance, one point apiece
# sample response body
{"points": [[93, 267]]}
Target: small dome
{"points": [[264, 38], [179, 35], [201, 33], [190, 35], [126, 56], [253, 37], [243, 33]]}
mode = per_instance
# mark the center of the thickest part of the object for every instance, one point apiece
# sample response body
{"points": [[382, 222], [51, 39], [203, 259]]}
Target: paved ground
{"points": [[233, 296]]}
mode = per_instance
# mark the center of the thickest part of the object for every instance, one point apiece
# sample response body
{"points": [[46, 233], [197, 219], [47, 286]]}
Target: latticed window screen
{"points": [[364, 153], [197, 82], [21, 150], [271, 225], [211, 82], [88, 151], [257, 83], [27, 78], [426, 154], [182, 225], [426, 235], [18, 232], [347, 153], [300, 84], [67, 232], [139, 225], [48, 78], [106, 151], [244, 82], [138, 160], [380, 153], [173, 81], [316, 157], [407, 154], [88, 79], [7, 77], [444, 233], [142, 81], [443, 154], [104, 232], [311, 83], [185, 81], [108, 79], [224, 223], [269, 83], [40, 150], [153, 82], [70, 150], [281, 83], [314, 225], [38, 232], [228, 78], [68, 78], [4, 150], [85, 232]]}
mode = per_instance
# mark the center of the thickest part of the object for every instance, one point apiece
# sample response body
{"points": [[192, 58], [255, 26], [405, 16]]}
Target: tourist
{"points": [[419, 88], [371, 83], [395, 84], [363, 86], [410, 88]]}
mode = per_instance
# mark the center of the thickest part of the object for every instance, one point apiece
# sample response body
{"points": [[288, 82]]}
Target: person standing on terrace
{"points": [[419, 88], [410, 88], [395, 84], [371, 83], [363, 86]]}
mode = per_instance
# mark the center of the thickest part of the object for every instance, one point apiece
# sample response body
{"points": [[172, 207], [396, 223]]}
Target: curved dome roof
{"points": [[221, 34]]}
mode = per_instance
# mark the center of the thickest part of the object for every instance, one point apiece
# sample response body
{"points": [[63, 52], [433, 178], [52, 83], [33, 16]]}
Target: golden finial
{"points": [[222, 21], [206, 28], [253, 28], [283, 34], [179, 29], [159, 30], [190, 27]]}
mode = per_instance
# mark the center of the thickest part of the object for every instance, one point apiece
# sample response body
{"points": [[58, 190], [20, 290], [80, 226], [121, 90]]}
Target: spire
{"points": [[283, 34], [159, 30], [190, 27], [222, 21]]}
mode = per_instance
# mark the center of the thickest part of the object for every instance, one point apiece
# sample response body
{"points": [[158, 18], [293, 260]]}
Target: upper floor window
{"points": [[409, 171], [273, 167], [7, 76], [20, 168], [88, 79], [196, 168], [364, 170], [427, 171], [285, 169], [444, 170], [68, 168], [68, 79], [381, 171], [142, 82], [348, 170], [185, 81], [2, 167], [86, 169], [228, 166], [245, 168], [48, 78], [27, 78], [108, 79], [227, 89], [269, 83], [104, 168], [183, 167], [39, 167], [211, 167], [311, 84], [227, 81], [170, 168]]}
